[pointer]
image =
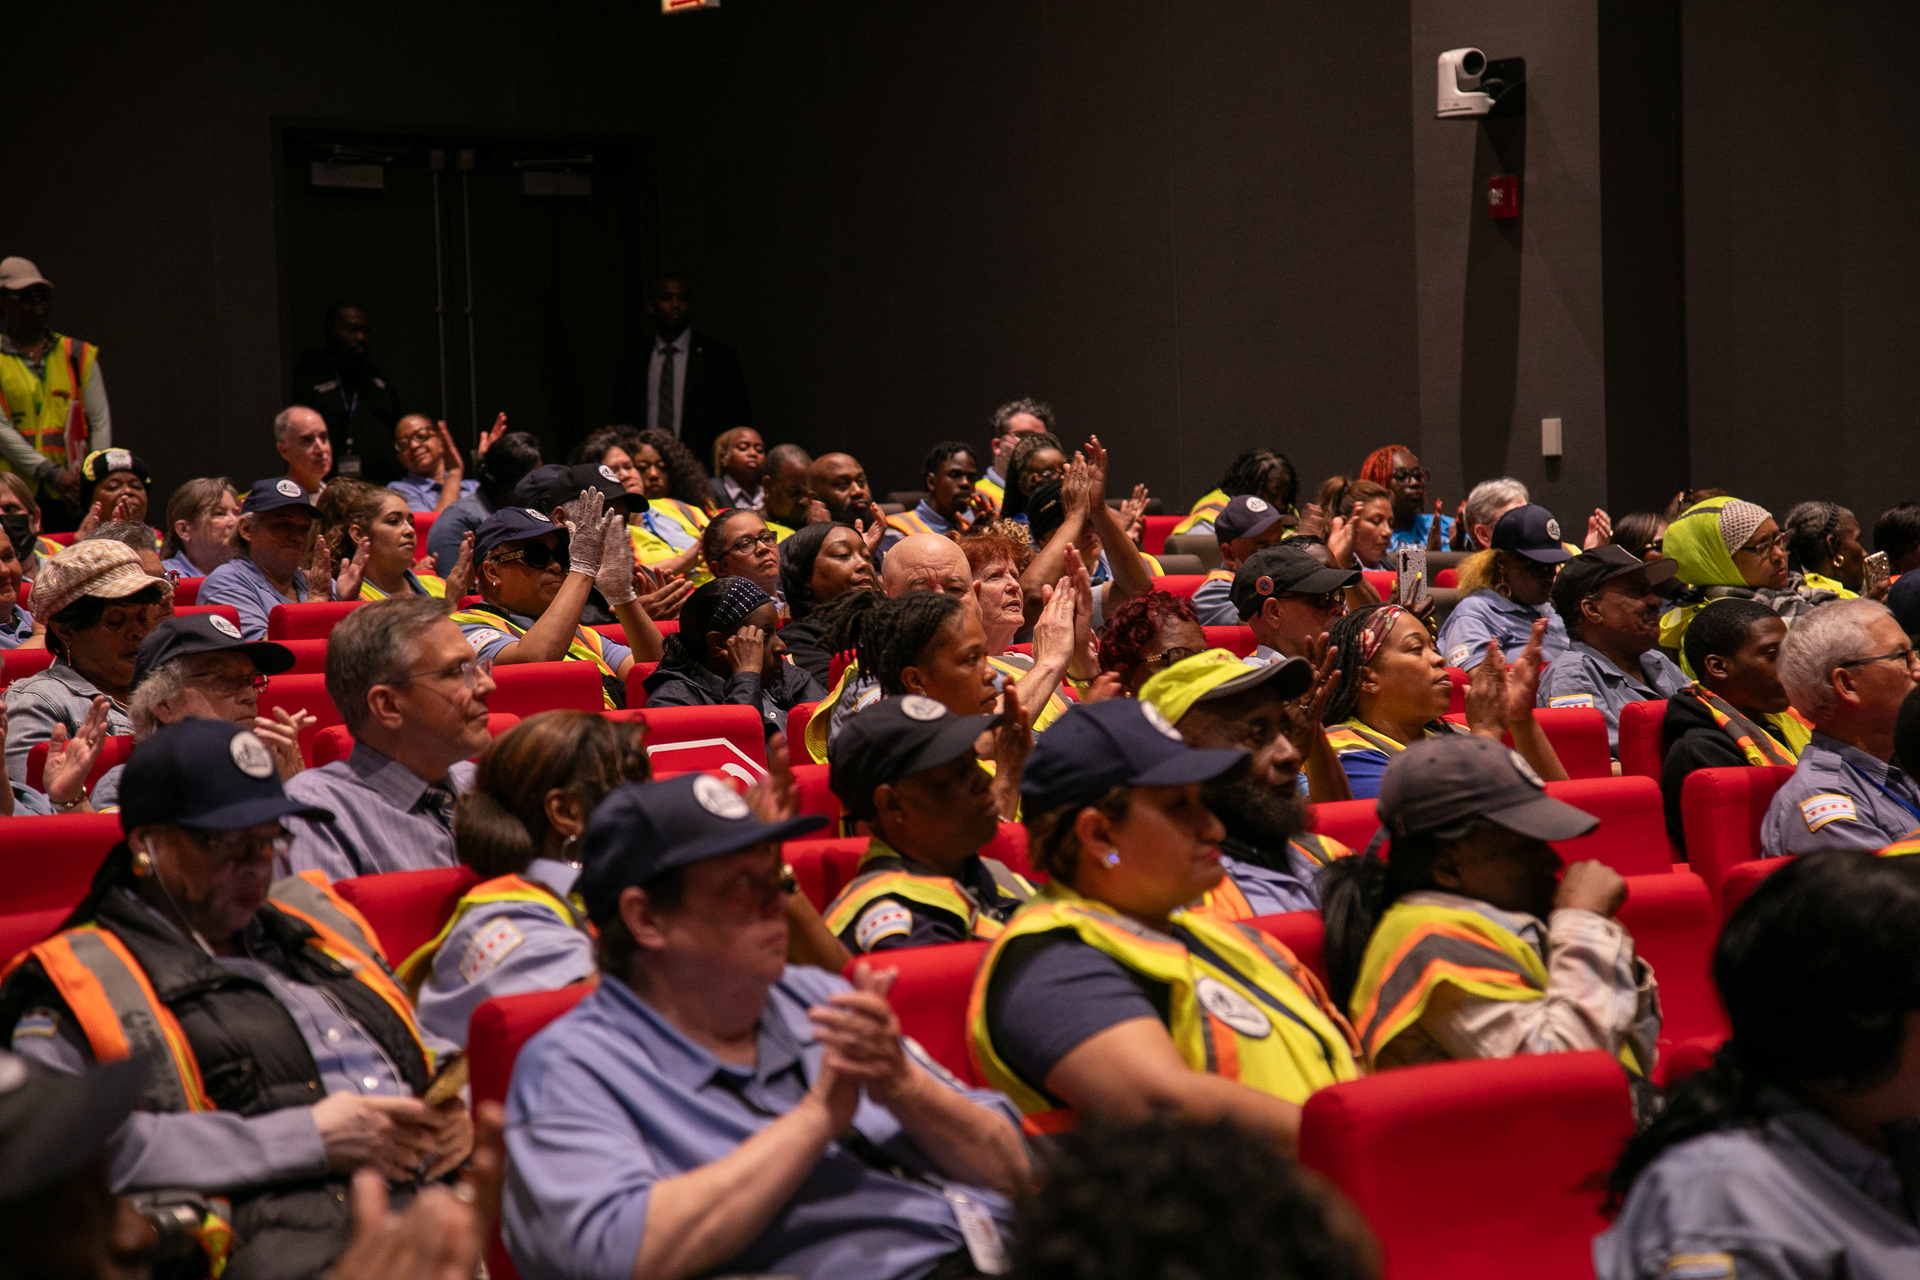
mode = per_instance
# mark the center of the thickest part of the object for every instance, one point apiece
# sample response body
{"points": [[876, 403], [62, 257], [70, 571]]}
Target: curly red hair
{"points": [[1379, 464], [1129, 633]]}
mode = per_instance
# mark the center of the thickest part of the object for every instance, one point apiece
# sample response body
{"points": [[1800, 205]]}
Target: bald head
{"points": [[926, 562], [840, 483], [295, 420]]}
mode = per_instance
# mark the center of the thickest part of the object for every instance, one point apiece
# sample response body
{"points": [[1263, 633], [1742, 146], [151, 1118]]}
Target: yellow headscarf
{"points": [[1697, 540]]}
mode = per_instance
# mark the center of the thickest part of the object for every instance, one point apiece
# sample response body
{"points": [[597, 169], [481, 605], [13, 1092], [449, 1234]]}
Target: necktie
{"points": [[436, 802], [663, 413]]}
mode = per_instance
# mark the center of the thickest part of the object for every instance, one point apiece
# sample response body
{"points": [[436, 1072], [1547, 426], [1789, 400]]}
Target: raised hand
{"points": [[1053, 630], [281, 732], [1007, 744], [871, 537], [817, 512], [747, 649], [1459, 542], [1304, 713], [491, 436], [862, 1036], [1438, 528], [124, 508], [1340, 541], [1487, 699], [353, 572], [1599, 530], [1313, 521], [1523, 675], [71, 759], [1591, 886], [89, 523], [615, 575], [320, 571], [452, 466], [1096, 455], [664, 597], [1133, 514], [459, 579], [1080, 581], [583, 512], [1076, 487], [1103, 686]]}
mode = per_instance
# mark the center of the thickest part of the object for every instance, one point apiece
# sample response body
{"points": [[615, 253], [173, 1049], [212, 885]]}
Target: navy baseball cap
{"points": [[211, 774], [1531, 531], [512, 524], [1284, 571], [1248, 517], [554, 485], [896, 738], [182, 637], [644, 828], [53, 1123], [1120, 742], [271, 495], [1450, 780]]}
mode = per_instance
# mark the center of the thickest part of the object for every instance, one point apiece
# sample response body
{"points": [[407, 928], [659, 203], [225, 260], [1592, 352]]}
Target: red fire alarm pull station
{"points": [[1503, 196]]}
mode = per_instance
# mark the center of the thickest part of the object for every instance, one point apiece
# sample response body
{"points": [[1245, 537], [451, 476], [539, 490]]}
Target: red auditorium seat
{"points": [[335, 743], [1238, 641], [618, 634], [309, 657], [1742, 879], [1672, 920], [1153, 535], [797, 724], [46, 864], [1304, 933], [930, 997], [684, 739], [816, 793], [1381, 580], [1446, 579], [1643, 738], [422, 526], [302, 693], [1009, 845], [406, 908], [18, 664], [1631, 837], [186, 591], [309, 621], [114, 750], [1721, 811], [64, 539], [1476, 1169], [637, 684], [823, 867], [497, 1031], [1180, 584], [1457, 698], [1578, 735], [528, 688], [226, 611]]}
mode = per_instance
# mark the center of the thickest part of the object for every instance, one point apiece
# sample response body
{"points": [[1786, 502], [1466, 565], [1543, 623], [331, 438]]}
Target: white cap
{"points": [[18, 273]]}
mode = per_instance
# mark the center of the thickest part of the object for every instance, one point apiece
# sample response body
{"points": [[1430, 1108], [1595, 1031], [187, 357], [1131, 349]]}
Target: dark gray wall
{"points": [[1190, 228], [1803, 250], [1511, 324]]}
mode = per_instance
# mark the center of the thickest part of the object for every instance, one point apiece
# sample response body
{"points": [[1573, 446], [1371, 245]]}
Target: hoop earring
{"points": [[1505, 590]]}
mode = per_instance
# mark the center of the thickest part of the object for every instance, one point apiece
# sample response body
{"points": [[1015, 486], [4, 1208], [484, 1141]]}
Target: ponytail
{"points": [[491, 839]]}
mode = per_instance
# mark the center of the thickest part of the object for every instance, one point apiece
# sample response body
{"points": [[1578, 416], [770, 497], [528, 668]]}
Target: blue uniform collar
{"points": [[935, 521], [776, 1048], [1880, 771]]}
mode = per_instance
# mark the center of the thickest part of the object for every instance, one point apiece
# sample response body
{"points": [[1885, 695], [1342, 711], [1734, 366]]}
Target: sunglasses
{"points": [[1167, 657], [535, 555]]}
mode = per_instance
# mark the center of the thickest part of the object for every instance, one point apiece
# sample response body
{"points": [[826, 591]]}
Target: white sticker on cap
{"points": [[537, 515], [288, 489], [119, 460], [920, 708], [1818, 811], [1159, 722], [1256, 506], [882, 920], [251, 755], [606, 473], [225, 628], [718, 799], [13, 1073], [1232, 1008], [1553, 529], [1526, 770]]}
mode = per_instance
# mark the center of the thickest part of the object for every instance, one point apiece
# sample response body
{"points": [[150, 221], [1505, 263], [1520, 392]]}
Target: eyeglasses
{"points": [[1765, 546], [536, 556], [230, 847], [468, 673], [1042, 476], [756, 892], [765, 538], [415, 437], [1908, 656], [1167, 657], [1333, 602], [229, 683], [1410, 473]]}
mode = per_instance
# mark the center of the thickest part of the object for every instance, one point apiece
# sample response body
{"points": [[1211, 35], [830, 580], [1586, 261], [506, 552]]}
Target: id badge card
{"points": [[349, 465], [984, 1246]]}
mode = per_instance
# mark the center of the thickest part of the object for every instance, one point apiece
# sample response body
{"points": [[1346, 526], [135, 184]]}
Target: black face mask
{"points": [[1265, 818], [19, 527]]}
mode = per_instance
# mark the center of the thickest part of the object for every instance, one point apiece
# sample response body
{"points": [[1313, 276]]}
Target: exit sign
{"points": [[675, 6]]}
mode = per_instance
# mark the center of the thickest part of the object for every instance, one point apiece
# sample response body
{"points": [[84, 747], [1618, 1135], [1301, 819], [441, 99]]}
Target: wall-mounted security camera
{"points": [[1471, 85]]}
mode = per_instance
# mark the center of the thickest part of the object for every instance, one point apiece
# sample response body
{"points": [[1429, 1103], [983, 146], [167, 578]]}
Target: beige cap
{"points": [[18, 273], [100, 567]]}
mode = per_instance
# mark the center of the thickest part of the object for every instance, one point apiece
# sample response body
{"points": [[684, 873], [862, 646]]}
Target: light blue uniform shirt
{"points": [[17, 629], [612, 1098], [1583, 677], [1839, 797], [501, 949], [58, 695], [240, 583], [423, 492], [1488, 615], [453, 524], [1268, 891], [1415, 535], [378, 822], [1213, 601], [184, 567], [1796, 1199]]}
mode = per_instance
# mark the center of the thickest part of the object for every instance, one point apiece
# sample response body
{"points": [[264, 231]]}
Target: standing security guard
{"points": [[354, 395], [281, 1043], [907, 768], [53, 403]]}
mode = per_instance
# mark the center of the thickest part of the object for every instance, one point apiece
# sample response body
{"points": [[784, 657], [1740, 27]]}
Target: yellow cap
{"points": [[1218, 674]]}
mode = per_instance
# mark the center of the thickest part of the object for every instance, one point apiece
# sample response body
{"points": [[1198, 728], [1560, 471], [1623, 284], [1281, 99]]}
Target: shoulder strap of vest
{"points": [[113, 1002], [937, 892], [1010, 882], [1416, 948], [1321, 849], [1225, 901], [309, 899]]}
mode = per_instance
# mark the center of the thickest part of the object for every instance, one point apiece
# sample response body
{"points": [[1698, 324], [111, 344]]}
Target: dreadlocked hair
{"points": [[1379, 464], [1343, 638], [897, 632], [1253, 472], [1125, 638], [843, 617]]}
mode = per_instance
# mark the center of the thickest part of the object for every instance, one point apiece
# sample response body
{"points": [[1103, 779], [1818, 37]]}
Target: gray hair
{"points": [[1007, 412], [283, 423], [1490, 496], [1818, 645], [162, 684], [377, 643], [130, 533]]}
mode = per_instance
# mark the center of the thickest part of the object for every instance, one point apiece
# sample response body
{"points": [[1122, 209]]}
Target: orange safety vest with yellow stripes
{"points": [[418, 967], [886, 873]]}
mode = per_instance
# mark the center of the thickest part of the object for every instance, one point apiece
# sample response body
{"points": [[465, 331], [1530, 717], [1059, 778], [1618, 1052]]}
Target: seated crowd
{"points": [[1097, 760]]}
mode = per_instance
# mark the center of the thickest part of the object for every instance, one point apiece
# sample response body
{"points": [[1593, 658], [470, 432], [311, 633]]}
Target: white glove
{"points": [[614, 577], [584, 540]]}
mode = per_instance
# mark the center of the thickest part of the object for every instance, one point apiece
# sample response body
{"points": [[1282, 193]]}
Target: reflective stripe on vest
{"points": [[939, 892], [50, 414], [343, 935], [1351, 735], [1057, 703], [587, 644], [1900, 849], [692, 519], [111, 999], [1240, 1006], [1225, 901], [418, 966], [910, 522], [994, 493], [1208, 508]]}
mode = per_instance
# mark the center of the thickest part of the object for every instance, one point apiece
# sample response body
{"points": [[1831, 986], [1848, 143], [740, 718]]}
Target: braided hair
{"points": [[1253, 473], [1809, 526], [1343, 638], [896, 632]]}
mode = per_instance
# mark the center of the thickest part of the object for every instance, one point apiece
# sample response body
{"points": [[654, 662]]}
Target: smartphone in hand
{"points": [[1876, 577], [1410, 576]]}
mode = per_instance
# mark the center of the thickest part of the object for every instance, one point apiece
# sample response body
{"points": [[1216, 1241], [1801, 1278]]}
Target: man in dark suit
{"points": [[681, 381], [354, 395]]}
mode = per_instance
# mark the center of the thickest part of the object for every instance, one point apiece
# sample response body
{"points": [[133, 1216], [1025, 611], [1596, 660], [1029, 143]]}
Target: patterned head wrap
{"points": [[1738, 520], [1374, 634], [737, 604]]}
